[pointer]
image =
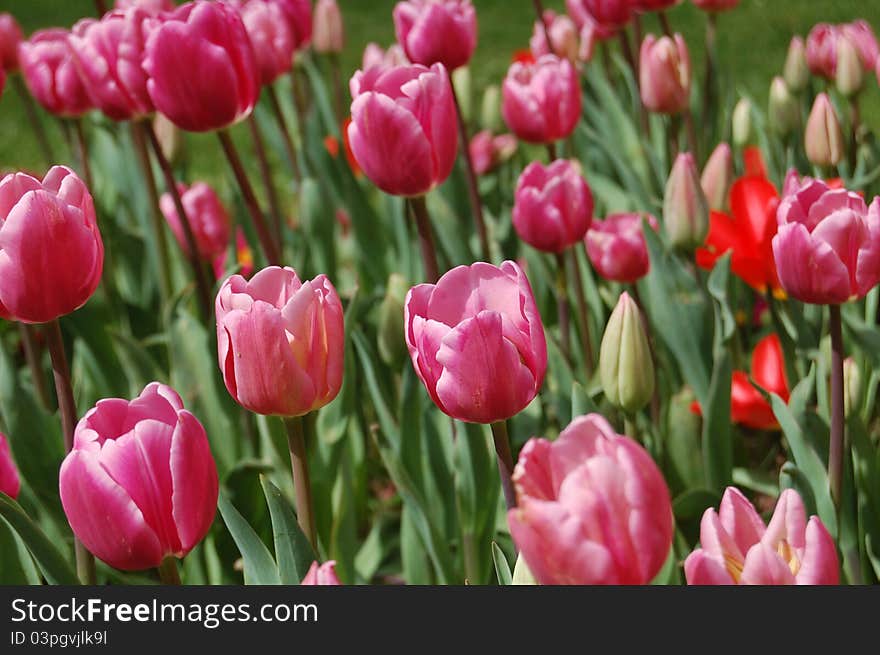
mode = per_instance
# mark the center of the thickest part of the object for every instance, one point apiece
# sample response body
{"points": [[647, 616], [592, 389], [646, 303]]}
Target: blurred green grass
{"points": [[752, 43]]}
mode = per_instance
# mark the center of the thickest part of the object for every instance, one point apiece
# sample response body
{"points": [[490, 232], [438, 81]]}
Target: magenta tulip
{"points": [[328, 32], [827, 249], [653, 5], [478, 325], [437, 31], [270, 35], [10, 483], [208, 218], [49, 71], [608, 16], [280, 341], [553, 206], [108, 55], [375, 57], [51, 253], [593, 508], [716, 5], [403, 127], [299, 20], [140, 484], [617, 249], [488, 152], [321, 575], [564, 37], [665, 74], [736, 547], [152, 7], [10, 38], [203, 74], [542, 99]]}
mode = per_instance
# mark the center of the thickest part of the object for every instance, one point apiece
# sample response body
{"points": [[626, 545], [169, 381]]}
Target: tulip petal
{"points": [[764, 566], [194, 481], [715, 540], [740, 520], [533, 475], [789, 521], [700, 568], [819, 564], [809, 269], [868, 263]]}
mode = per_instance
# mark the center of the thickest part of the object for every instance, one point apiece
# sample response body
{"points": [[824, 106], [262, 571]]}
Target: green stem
{"points": [[302, 486], [583, 314], [665, 24], [426, 238], [286, 138], [168, 573], [83, 153], [32, 357], [30, 110], [266, 173], [505, 462], [838, 434], [563, 307]]}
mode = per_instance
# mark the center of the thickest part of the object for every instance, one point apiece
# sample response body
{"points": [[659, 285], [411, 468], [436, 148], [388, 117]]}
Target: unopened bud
{"points": [[823, 139], [850, 76], [783, 110], [685, 208], [796, 72], [742, 123], [490, 112], [390, 337], [718, 176], [625, 365]]}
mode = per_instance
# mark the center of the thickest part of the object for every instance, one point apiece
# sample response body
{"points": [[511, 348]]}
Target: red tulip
{"points": [[321, 575], [50, 73], [10, 37]]}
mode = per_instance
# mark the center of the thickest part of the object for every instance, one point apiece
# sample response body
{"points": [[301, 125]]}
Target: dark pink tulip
{"points": [[280, 341], [653, 5], [665, 74], [564, 37], [321, 575], [553, 206], [271, 37], [10, 483], [437, 31], [824, 40], [593, 508], [51, 76], [140, 484], [617, 248], [203, 74], [479, 324], [10, 37], [609, 16], [299, 20], [108, 55], [736, 547], [152, 7], [51, 253], [208, 218], [375, 57], [542, 99], [403, 127], [716, 5], [827, 249], [488, 152]]}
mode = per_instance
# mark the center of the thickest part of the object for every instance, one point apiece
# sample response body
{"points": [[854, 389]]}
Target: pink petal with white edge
{"points": [[740, 520], [194, 480]]}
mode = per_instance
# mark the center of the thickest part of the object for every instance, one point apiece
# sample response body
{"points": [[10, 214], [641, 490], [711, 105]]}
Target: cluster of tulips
{"points": [[706, 284]]}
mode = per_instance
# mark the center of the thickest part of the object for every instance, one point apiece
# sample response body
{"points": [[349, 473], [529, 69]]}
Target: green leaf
{"points": [[292, 548], [502, 567], [692, 503], [259, 567], [717, 441], [16, 565], [55, 568]]}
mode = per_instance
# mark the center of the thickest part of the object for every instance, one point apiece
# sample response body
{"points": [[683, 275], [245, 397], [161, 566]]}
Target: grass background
{"points": [[752, 42]]}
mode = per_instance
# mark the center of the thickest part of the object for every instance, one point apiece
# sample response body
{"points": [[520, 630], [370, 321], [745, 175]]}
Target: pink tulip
{"points": [[827, 249], [208, 218], [50, 74], [488, 152], [479, 324], [824, 40], [403, 127], [10, 37], [738, 548], [564, 37], [299, 20], [152, 7], [617, 248], [717, 177], [280, 341], [51, 253], [10, 483], [716, 5], [553, 206], [665, 74], [321, 575], [609, 16], [328, 33], [653, 5], [270, 36], [593, 508], [108, 55], [140, 484], [542, 99], [375, 57], [203, 74], [437, 31]]}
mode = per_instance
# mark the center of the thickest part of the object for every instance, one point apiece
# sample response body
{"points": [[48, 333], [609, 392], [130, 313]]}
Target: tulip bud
{"points": [[392, 345], [441, 31], [665, 74], [328, 34], [742, 123], [718, 176], [783, 110], [823, 139], [10, 37], [461, 83], [796, 71], [852, 385], [10, 483], [850, 75], [542, 100], [208, 218], [685, 208], [321, 575], [625, 365], [522, 575], [490, 111]]}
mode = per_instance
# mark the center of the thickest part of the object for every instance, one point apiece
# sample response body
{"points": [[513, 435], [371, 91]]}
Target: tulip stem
{"points": [[426, 238], [691, 133], [157, 221], [83, 152], [551, 151], [539, 11], [270, 250], [665, 24], [286, 139], [202, 289], [30, 109], [835, 454], [473, 190], [633, 59], [85, 562], [709, 90], [855, 120], [302, 486], [562, 304], [629, 427], [505, 462], [168, 572], [100, 7], [266, 173], [338, 93], [583, 314], [32, 357]]}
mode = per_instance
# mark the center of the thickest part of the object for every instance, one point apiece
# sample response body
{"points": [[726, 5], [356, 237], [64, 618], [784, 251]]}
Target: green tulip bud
{"points": [[491, 110], [390, 337], [625, 365], [742, 123], [852, 385], [796, 71], [461, 80], [783, 111], [850, 77]]}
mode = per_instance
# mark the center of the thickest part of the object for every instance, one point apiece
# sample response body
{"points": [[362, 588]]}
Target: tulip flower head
{"points": [[375, 56], [593, 508], [280, 342], [665, 74], [208, 218], [321, 575], [626, 367], [403, 127], [298, 14], [825, 40], [737, 547], [479, 324], [796, 71], [328, 34], [783, 109], [271, 37], [51, 253], [617, 249], [488, 152], [718, 176], [10, 37], [541, 99], [685, 207], [437, 31], [607, 17], [564, 37], [10, 483], [50, 73], [140, 483]]}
